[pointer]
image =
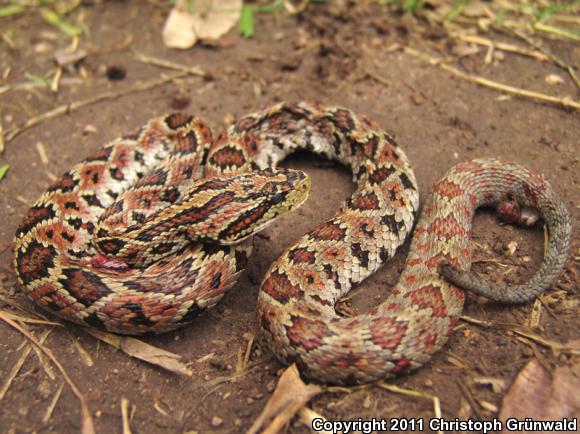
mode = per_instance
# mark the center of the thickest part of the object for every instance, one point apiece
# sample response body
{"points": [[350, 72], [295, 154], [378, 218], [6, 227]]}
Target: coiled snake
{"points": [[131, 241]]}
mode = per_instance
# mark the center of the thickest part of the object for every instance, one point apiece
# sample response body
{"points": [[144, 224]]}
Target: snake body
{"points": [[74, 256]]}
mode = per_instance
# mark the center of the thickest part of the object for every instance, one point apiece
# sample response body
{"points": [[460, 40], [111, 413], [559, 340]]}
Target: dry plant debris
{"points": [[87, 424], [525, 93], [143, 351], [205, 19], [543, 395], [75, 105], [19, 363], [290, 396]]}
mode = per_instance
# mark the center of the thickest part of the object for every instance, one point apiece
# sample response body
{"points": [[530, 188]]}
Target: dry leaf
{"points": [[206, 19], [148, 353], [290, 396], [542, 395], [178, 31], [68, 59]]}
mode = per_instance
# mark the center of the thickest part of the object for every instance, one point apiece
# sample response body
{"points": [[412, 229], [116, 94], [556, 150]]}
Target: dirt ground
{"points": [[347, 54]]}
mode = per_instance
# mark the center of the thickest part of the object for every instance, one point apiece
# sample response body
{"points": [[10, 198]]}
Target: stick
{"points": [[565, 102], [162, 63], [125, 415], [18, 365], [568, 68], [556, 31], [68, 108], [502, 46], [87, 424]]}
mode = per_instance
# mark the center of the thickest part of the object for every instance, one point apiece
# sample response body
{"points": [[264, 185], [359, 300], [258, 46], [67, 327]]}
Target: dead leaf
{"points": [[542, 395], [206, 19], [290, 396], [143, 351], [65, 58]]}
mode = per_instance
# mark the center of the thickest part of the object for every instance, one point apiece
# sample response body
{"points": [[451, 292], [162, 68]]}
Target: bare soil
{"points": [[331, 54]]}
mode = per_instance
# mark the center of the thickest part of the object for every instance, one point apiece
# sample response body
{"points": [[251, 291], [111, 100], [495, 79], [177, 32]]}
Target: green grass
{"points": [[3, 169], [405, 5], [555, 9], [52, 11]]}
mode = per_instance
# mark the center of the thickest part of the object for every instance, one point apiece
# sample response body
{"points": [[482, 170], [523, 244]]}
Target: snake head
{"points": [[222, 211], [260, 198]]}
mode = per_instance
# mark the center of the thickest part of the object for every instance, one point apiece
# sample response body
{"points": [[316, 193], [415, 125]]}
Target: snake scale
{"points": [[152, 229]]}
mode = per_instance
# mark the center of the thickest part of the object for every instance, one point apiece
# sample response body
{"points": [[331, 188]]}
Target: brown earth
{"points": [[333, 55]]}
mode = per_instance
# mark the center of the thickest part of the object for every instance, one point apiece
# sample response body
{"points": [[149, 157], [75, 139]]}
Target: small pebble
{"points": [[512, 247], [229, 118], [116, 73], [216, 421], [89, 129]]}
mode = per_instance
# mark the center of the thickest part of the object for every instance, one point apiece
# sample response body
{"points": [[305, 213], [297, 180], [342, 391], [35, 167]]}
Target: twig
{"points": [[501, 46], [554, 346], [243, 359], [433, 398], [479, 322], [52, 404], [233, 377], [568, 68], [518, 330], [18, 365], [469, 396], [555, 31], [27, 320], [44, 363], [119, 46], [87, 424], [125, 415], [68, 108], [377, 77], [84, 355], [29, 85], [565, 102], [167, 64]]}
